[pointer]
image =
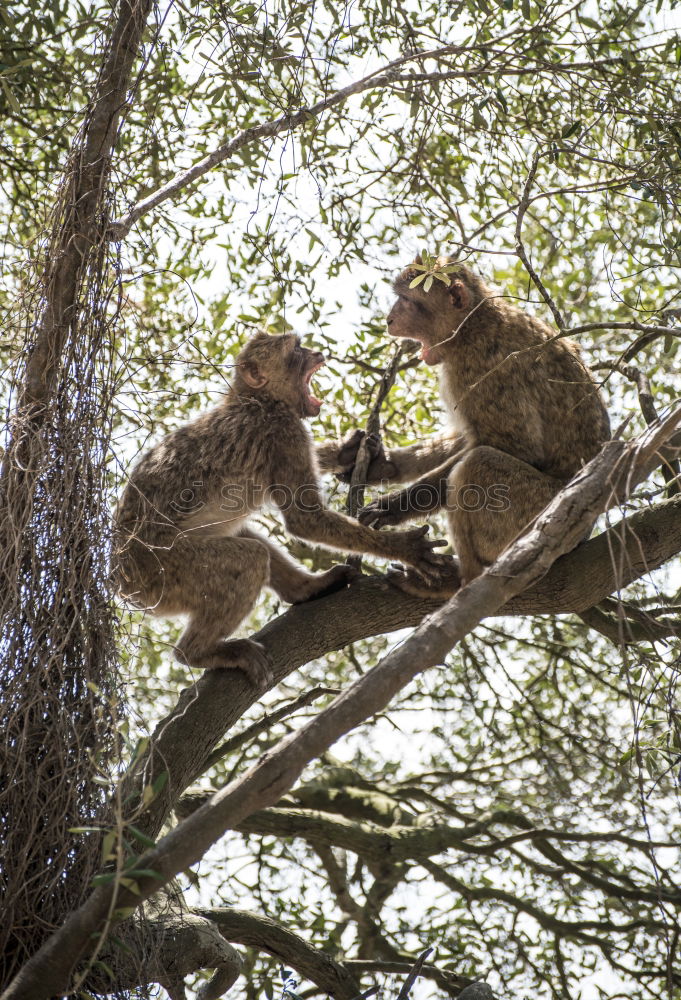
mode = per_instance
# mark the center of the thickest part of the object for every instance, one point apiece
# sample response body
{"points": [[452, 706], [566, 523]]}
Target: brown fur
{"points": [[525, 415], [183, 545]]}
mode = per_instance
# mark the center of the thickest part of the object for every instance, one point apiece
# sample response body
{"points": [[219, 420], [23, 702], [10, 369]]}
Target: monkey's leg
{"points": [[492, 498], [293, 583], [217, 582]]}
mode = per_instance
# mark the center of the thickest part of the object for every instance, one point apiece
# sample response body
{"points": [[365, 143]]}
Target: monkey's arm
{"points": [[425, 458], [398, 465], [425, 495], [306, 517], [293, 583], [339, 456]]}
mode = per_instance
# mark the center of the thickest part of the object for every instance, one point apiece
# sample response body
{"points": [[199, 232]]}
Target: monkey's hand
{"points": [[380, 467], [391, 508], [337, 578], [439, 588], [249, 656], [414, 547]]}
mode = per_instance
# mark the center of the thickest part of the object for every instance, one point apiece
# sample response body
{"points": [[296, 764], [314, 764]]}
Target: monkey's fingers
{"points": [[419, 532], [434, 565], [411, 582], [374, 515], [347, 453]]}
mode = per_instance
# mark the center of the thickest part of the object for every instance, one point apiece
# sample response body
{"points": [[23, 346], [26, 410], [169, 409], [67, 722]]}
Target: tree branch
{"points": [[257, 931], [267, 130], [206, 710], [165, 948]]}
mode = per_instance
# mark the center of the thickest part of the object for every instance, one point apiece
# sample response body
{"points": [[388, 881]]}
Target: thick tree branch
{"points": [[401, 842], [338, 979], [82, 191], [165, 948], [257, 931]]}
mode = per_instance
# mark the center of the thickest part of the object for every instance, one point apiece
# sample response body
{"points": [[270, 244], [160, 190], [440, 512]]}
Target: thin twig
{"points": [[262, 725], [520, 248], [360, 471], [671, 470]]}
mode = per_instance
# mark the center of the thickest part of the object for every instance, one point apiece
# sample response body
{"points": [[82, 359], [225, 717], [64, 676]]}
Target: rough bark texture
{"points": [[257, 931], [83, 192], [59, 675]]}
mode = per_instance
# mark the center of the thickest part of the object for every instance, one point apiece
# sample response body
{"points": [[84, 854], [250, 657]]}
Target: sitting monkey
{"points": [[524, 410], [182, 541]]}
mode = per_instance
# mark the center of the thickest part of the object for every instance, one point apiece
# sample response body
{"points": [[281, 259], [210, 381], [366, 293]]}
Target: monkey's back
{"points": [[514, 386], [224, 454]]}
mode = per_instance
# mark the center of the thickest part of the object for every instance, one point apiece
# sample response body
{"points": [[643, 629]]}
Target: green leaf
{"points": [[140, 748], [108, 843], [141, 836], [479, 119], [415, 281], [104, 879], [144, 873], [571, 129]]}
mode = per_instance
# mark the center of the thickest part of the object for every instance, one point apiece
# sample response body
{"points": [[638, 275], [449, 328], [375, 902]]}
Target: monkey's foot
{"points": [[440, 588], [418, 550], [246, 655], [337, 578]]}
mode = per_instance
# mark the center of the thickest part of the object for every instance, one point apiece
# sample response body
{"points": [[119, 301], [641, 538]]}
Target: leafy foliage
{"points": [[554, 749]]}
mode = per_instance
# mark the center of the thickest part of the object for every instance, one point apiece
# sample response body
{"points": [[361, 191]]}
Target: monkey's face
{"points": [[428, 317], [420, 317], [282, 368]]}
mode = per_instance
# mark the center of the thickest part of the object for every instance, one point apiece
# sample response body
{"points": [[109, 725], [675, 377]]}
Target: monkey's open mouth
{"points": [[428, 353], [312, 404]]}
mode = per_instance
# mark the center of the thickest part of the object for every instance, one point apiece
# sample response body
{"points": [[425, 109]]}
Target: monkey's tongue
{"points": [[425, 354], [314, 405]]}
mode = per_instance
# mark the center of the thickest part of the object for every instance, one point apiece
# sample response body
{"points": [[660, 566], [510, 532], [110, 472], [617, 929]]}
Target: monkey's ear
{"points": [[417, 259], [252, 375], [459, 294]]}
